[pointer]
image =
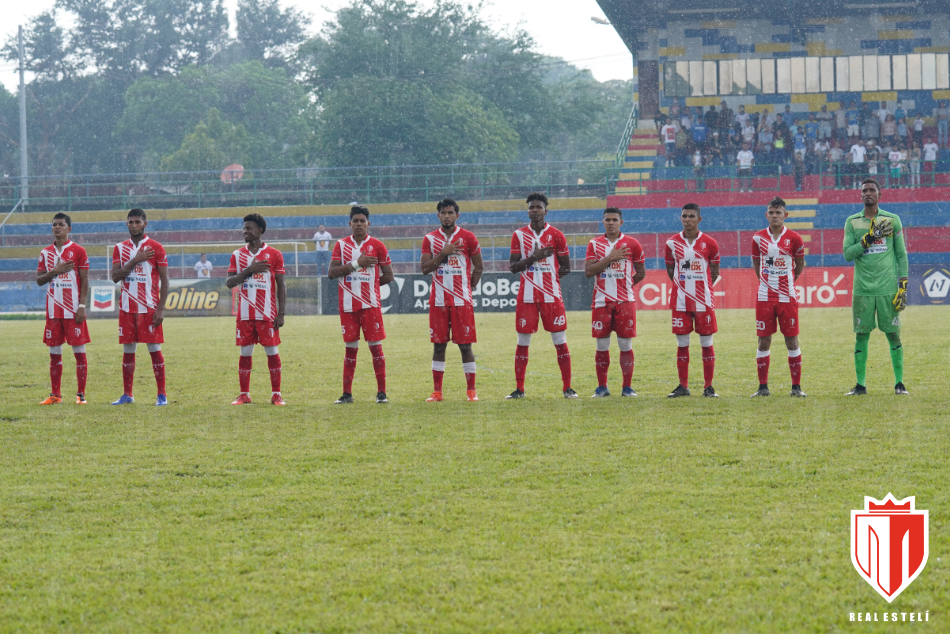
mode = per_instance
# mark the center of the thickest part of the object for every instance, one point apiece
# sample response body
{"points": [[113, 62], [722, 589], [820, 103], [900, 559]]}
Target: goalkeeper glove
{"points": [[878, 229], [900, 299]]}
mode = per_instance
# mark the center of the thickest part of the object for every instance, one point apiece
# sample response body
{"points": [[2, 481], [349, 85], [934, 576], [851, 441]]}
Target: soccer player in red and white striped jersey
{"points": [[616, 261], [778, 258], [692, 262], [259, 270], [64, 266], [539, 252], [141, 265], [454, 258], [363, 264]]}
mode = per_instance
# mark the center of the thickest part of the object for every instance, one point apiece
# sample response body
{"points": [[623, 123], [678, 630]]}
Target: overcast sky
{"points": [[566, 32]]}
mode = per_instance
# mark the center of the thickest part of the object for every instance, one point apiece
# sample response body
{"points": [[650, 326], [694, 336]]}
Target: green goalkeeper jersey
{"points": [[877, 268]]}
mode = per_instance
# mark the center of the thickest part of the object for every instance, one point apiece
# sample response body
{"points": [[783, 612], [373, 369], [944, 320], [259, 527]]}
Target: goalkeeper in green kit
{"points": [[874, 241]]}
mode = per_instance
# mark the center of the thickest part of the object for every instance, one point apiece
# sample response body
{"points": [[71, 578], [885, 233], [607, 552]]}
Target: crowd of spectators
{"points": [[845, 146]]}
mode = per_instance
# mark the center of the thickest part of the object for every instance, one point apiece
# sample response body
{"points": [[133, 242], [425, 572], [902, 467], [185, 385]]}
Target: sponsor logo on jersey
{"points": [[889, 543]]}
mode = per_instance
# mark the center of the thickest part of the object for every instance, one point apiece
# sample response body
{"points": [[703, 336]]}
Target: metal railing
{"points": [[627, 135]]}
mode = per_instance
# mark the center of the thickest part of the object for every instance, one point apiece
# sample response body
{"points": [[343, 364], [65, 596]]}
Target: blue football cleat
{"points": [[628, 391], [600, 392], [161, 400], [125, 399]]}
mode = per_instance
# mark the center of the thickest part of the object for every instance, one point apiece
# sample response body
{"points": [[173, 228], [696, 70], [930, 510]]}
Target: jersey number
{"points": [[677, 322], [560, 320]]}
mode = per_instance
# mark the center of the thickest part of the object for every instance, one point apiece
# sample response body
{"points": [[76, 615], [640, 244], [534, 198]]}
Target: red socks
{"points": [[521, 366], [469, 369], [273, 364], [244, 373], [709, 365], [81, 372], [682, 365], [349, 369], [795, 366], [379, 367], [56, 374], [602, 364], [438, 371], [128, 372], [626, 366], [158, 367], [762, 364], [563, 362]]}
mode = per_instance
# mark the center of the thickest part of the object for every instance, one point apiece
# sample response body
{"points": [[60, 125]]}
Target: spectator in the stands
{"points": [[895, 161], [682, 147], [918, 129], [888, 130], [766, 142], [914, 156], [668, 136], [798, 170], [901, 130], [726, 117], [203, 268], [872, 158], [825, 119], [841, 121], [712, 118], [811, 129], [698, 115], [882, 112], [837, 163], [864, 116], [745, 160], [699, 170], [942, 114], [742, 118], [857, 155], [748, 132], [675, 109], [872, 130], [686, 120], [787, 115], [323, 242], [854, 118], [700, 133], [931, 152], [899, 112], [783, 140], [801, 145]]}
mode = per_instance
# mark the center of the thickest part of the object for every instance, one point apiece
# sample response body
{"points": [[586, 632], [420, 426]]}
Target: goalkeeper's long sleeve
{"points": [[900, 249], [852, 246]]}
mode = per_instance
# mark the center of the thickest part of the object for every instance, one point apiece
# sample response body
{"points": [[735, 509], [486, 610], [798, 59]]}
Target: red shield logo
{"points": [[889, 543]]}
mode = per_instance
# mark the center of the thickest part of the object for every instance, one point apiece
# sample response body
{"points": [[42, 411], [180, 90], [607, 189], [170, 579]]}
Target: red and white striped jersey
{"points": [[257, 299], [777, 264], [140, 288], [539, 282], [692, 286], [62, 292], [452, 281], [360, 289], [615, 283]]}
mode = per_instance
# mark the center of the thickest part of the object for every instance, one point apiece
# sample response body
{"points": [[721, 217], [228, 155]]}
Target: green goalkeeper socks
{"points": [[897, 356], [861, 356]]}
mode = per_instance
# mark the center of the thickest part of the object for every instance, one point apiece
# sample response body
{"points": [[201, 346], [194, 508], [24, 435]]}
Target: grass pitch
{"points": [[543, 515]]}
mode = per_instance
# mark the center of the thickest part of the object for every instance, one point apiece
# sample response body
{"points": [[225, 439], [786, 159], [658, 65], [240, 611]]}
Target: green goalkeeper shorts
{"points": [[864, 307]]}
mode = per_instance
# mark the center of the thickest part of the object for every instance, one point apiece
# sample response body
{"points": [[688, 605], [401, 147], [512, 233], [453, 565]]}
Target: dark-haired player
{"points": [[692, 262], [64, 266], [454, 258], [617, 262], [363, 263], [141, 265], [539, 252], [778, 258], [259, 270]]}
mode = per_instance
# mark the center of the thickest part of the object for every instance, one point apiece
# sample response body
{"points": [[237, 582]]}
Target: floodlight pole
{"points": [[24, 162]]}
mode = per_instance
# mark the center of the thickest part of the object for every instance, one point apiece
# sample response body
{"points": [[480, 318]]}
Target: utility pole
{"points": [[24, 162]]}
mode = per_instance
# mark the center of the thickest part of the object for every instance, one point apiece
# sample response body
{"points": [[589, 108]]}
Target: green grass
{"points": [[543, 515]]}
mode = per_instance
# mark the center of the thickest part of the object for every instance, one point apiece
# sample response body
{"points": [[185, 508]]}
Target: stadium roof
{"points": [[630, 16]]}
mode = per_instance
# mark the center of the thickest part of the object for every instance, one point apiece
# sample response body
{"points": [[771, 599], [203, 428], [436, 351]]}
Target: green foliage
{"points": [[612, 515], [268, 33], [213, 145]]}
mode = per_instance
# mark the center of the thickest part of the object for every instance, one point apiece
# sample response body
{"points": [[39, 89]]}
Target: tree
{"points": [[267, 33], [212, 146]]}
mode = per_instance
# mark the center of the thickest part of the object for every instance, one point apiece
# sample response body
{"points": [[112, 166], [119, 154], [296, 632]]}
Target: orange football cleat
{"points": [[436, 396], [80, 399], [55, 400], [243, 399], [277, 400], [472, 396]]}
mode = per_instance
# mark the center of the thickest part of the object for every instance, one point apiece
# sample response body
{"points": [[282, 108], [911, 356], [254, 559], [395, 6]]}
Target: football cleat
{"points": [[125, 399], [570, 393], [710, 392], [678, 392], [628, 391], [857, 390], [434, 398], [80, 398], [381, 398], [797, 391], [600, 392], [515, 394], [242, 399], [344, 399], [762, 391], [277, 399], [472, 396], [52, 400], [161, 400], [899, 389]]}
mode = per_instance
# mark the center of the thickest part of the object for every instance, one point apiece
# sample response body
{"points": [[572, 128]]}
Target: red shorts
{"points": [[251, 331], [457, 320], [369, 320], [705, 323], [768, 313], [618, 317], [138, 328], [59, 331], [552, 315]]}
